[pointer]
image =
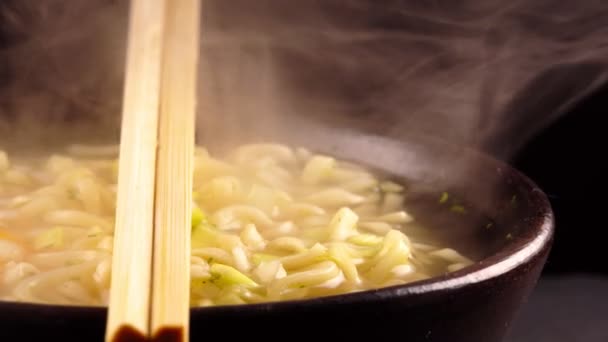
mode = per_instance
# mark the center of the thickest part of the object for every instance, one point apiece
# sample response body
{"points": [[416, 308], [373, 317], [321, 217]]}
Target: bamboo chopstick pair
{"points": [[150, 288]]}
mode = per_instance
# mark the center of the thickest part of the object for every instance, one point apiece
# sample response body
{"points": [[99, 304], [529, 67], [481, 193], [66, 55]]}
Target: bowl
{"points": [[507, 225]]}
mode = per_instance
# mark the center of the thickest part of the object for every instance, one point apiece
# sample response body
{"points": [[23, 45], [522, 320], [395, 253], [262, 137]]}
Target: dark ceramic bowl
{"points": [[507, 225]]}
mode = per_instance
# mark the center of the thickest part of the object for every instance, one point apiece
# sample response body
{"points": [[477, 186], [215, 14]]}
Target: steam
{"points": [[61, 65], [484, 73]]}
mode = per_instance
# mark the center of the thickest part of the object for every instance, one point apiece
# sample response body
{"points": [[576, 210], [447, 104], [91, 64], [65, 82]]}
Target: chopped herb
{"points": [[459, 209], [302, 286], [444, 197], [52, 238], [196, 195], [210, 260], [198, 216], [94, 232], [215, 277], [514, 201], [258, 258], [224, 275], [72, 194]]}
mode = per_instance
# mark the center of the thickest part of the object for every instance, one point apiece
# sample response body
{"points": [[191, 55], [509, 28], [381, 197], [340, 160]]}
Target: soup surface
{"points": [[270, 223]]}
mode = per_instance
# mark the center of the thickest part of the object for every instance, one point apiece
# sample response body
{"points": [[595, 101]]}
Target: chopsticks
{"points": [[173, 212], [150, 288], [129, 302]]}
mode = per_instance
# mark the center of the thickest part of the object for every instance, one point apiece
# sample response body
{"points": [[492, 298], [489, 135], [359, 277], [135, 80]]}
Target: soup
{"points": [[269, 223]]}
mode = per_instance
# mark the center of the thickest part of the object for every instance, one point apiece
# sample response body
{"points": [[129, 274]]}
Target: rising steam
{"points": [[483, 73], [61, 70]]}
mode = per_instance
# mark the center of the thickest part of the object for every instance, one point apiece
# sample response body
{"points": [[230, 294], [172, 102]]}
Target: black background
{"points": [[568, 161]]}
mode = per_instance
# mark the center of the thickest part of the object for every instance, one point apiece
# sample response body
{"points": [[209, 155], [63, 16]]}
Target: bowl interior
{"points": [[491, 210], [465, 199]]}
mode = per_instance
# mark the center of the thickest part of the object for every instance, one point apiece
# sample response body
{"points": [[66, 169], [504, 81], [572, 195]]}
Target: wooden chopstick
{"points": [[129, 304], [150, 290], [173, 209]]}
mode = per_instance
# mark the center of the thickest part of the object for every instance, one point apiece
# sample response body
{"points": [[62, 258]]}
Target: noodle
{"points": [[269, 223]]}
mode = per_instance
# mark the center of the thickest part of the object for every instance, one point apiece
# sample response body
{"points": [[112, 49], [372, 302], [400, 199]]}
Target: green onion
{"points": [[514, 201], [95, 232], [224, 275], [197, 216], [52, 238], [204, 236], [258, 258], [459, 209]]}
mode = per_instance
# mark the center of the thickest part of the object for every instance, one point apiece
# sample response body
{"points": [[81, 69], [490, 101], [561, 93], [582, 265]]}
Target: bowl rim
{"points": [[511, 256]]}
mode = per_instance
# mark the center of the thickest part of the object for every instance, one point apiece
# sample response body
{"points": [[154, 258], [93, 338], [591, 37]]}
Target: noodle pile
{"points": [[269, 223]]}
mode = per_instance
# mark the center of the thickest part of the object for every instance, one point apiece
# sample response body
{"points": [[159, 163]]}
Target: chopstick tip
{"points": [[128, 333], [169, 334]]}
